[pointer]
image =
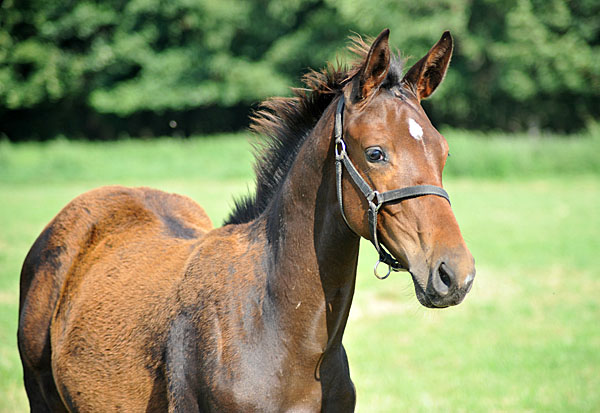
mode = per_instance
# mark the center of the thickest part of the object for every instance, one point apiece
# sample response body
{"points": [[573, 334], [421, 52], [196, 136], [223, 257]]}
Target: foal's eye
{"points": [[375, 154]]}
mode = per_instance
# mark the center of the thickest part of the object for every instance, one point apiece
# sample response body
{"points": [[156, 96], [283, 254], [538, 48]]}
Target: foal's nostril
{"points": [[444, 276], [442, 280]]}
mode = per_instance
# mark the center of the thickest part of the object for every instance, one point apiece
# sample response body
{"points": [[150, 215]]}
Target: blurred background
{"points": [[106, 69], [158, 93]]}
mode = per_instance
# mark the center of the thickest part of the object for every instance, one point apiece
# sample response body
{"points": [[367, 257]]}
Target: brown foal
{"points": [[131, 301]]}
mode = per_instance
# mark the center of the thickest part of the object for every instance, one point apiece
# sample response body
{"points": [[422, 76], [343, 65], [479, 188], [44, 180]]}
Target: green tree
{"points": [[518, 64], [99, 67]]}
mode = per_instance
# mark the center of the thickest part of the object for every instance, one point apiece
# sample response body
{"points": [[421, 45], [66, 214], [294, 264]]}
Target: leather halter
{"points": [[374, 198]]}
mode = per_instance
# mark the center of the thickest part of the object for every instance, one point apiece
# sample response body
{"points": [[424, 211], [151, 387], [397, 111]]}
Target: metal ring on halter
{"points": [[340, 149], [377, 275]]}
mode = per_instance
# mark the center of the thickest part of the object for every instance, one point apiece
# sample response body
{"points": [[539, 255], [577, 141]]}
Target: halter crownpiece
{"points": [[374, 198]]}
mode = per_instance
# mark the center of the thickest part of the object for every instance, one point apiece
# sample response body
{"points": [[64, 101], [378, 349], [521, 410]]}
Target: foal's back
{"points": [[110, 257]]}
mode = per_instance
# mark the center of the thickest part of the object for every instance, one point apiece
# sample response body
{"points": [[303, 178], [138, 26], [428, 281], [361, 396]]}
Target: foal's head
{"points": [[394, 145]]}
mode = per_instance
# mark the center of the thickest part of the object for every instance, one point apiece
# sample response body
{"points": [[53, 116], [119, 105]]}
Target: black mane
{"points": [[286, 122]]}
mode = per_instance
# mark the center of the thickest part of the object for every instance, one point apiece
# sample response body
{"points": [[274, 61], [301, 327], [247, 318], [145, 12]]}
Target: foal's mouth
{"points": [[422, 295], [421, 290]]}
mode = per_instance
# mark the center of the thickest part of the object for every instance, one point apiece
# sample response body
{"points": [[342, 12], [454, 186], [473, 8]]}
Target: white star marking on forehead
{"points": [[416, 131]]}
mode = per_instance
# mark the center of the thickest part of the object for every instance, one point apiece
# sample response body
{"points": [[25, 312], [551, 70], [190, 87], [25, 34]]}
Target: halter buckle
{"points": [[378, 201], [389, 271]]}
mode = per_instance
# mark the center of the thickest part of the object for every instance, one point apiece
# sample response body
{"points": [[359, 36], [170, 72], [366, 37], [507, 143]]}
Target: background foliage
{"points": [[100, 69]]}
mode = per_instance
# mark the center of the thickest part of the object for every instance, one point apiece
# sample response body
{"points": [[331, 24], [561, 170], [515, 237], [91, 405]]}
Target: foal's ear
{"points": [[425, 76], [376, 67]]}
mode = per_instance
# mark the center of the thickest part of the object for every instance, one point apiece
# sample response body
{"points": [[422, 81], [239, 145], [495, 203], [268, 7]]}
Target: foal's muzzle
{"points": [[444, 286]]}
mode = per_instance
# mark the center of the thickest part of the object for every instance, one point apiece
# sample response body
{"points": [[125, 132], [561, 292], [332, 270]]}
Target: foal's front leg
{"points": [[181, 368]]}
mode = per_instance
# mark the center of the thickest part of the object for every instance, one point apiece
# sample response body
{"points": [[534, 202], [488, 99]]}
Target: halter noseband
{"points": [[374, 198]]}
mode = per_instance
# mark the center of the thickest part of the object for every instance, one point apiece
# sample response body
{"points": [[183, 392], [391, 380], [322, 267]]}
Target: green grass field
{"points": [[527, 337]]}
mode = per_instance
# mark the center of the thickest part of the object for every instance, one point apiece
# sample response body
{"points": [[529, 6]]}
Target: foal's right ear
{"points": [[375, 68]]}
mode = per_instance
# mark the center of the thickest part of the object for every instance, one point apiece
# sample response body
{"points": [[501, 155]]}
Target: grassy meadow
{"points": [[527, 337]]}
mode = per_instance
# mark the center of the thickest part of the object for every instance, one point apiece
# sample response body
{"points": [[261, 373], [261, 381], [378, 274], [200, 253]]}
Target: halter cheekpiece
{"points": [[374, 198]]}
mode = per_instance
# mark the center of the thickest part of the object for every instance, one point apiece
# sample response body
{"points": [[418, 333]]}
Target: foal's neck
{"points": [[315, 254]]}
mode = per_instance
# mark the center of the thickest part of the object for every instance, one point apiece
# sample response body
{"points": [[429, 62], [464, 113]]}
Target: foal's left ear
{"points": [[425, 76], [375, 68]]}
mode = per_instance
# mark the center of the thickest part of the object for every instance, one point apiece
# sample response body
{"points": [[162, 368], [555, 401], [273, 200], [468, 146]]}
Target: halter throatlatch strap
{"points": [[374, 198]]}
